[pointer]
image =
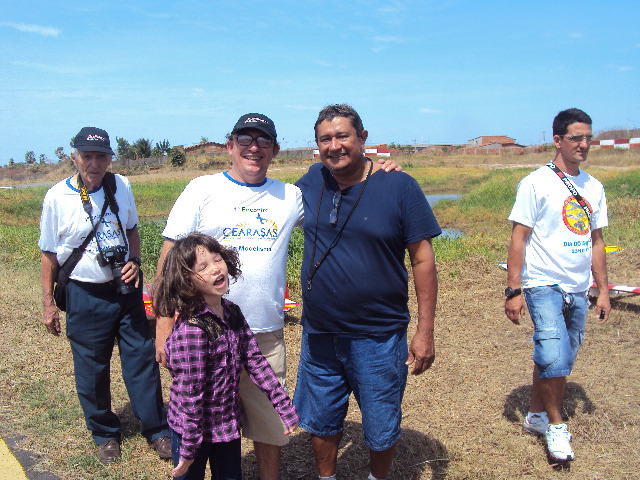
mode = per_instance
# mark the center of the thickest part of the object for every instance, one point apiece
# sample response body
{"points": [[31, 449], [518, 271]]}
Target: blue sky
{"points": [[417, 71]]}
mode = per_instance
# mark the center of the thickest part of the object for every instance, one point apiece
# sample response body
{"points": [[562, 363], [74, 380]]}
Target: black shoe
{"points": [[109, 451], [162, 446]]}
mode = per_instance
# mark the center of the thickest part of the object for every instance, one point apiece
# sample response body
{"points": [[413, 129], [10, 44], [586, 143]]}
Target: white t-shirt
{"points": [[558, 251], [255, 220], [64, 225]]}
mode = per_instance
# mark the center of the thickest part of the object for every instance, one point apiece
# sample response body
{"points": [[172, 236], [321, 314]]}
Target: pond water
{"points": [[433, 199], [448, 233]]}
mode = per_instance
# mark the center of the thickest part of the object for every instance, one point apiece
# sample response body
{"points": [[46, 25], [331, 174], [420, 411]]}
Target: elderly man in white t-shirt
{"points": [[104, 296]]}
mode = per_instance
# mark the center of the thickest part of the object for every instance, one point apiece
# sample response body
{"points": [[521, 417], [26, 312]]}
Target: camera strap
{"points": [[571, 187], [64, 272], [108, 182]]}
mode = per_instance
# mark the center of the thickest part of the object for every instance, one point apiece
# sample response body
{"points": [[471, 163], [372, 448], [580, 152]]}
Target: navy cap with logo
{"points": [[92, 139], [257, 121]]}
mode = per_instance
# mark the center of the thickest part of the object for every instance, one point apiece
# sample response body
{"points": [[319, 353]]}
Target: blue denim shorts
{"points": [[372, 367], [559, 320]]}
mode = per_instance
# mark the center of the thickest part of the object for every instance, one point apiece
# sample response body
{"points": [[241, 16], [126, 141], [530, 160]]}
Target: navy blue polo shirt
{"points": [[361, 287]]}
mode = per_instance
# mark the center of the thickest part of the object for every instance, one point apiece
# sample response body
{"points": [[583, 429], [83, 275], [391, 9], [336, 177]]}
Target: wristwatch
{"points": [[135, 260], [511, 292]]}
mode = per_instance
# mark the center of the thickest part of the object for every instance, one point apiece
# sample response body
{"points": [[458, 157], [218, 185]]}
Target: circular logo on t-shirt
{"points": [[575, 217]]}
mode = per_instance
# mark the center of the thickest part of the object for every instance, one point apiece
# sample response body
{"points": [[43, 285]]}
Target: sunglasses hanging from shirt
{"points": [[316, 266], [572, 189]]}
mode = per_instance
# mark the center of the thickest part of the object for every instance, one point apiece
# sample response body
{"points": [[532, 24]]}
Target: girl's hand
{"points": [[181, 469], [291, 429]]}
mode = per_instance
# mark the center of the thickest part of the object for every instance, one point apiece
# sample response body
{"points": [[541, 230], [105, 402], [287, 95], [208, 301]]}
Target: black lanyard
{"points": [[572, 189], [316, 266]]}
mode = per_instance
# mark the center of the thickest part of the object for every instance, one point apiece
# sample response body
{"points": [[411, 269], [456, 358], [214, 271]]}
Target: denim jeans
{"points": [[225, 459], [372, 367], [559, 320]]}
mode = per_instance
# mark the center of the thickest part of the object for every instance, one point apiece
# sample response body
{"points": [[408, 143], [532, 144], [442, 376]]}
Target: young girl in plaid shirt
{"points": [[210, 345]]}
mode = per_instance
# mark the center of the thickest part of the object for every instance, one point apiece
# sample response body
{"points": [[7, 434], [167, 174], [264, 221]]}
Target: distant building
{"points": [[491, 145], [492, 140]]}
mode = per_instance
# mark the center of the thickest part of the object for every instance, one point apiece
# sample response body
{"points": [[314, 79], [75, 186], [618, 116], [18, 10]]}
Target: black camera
{"points": [[115, 257]]}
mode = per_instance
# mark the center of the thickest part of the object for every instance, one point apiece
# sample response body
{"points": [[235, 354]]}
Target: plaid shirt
{"points": [[204, 404]]}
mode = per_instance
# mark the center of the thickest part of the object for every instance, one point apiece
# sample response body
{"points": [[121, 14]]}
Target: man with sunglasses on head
{"points": [[556, 241], [358, 225]]}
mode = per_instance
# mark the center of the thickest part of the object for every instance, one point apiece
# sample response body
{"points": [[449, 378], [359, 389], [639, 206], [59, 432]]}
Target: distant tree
{"points": [[12, 162], [163, 146], [177, 157], [124, 150], [142, 148], [62, 157], [43, 159], [204, 140], [30, 157]]}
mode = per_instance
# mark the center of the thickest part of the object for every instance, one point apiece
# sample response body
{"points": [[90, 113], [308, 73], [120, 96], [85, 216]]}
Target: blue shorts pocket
{"points": [[546, 350]]}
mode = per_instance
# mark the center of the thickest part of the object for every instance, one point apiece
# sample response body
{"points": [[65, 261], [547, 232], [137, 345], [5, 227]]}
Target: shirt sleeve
{"points": [[524, 209], [264, 377], [419, 221], [184, 215], [48, 227], [187, 350], [132, 219]]}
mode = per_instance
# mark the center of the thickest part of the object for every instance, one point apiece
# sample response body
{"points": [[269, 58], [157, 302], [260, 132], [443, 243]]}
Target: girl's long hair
{"points": [[174, 291]]}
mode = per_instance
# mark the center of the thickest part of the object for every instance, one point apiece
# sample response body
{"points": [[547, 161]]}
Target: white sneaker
{"points": [[558, 439], [536, 424]]}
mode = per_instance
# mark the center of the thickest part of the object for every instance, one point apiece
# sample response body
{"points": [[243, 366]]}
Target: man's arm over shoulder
{"points": [[423, 265]]}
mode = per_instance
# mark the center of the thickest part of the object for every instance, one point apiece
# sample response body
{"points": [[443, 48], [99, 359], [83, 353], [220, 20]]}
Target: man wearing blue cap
{"points": [[103, 296]]}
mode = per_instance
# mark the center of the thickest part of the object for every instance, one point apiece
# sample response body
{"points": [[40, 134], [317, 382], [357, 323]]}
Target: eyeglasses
{"points": [[333, 216], [578, 138], [246, 140]]}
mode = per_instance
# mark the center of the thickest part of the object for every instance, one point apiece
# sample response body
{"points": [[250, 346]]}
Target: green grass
{"points": [[155, 199], [19, 244], [480, 213], [20, 206]]}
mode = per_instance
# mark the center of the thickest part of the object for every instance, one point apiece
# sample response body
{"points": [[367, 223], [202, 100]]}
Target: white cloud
{"points": [[55, 69], [323, 63], [197, 92], [39, 29], [389, 39], [575, 35], [302, 107], [621, 68]]}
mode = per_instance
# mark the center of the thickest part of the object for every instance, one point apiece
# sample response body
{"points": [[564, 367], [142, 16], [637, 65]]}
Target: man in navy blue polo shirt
{"points": [[358, 223]]}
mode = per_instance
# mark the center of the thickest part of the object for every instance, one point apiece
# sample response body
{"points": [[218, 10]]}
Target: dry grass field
{"points": [[461, 419]]}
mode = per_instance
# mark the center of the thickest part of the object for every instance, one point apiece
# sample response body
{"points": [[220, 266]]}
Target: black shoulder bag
{"points": [[64, 272]]}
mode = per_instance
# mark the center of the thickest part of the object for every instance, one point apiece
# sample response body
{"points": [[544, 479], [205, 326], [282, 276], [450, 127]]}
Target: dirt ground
{"points": [[461, 419]]}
